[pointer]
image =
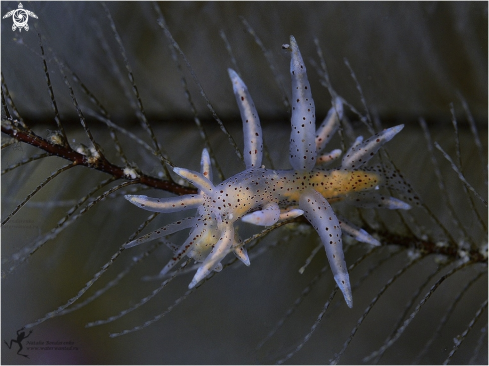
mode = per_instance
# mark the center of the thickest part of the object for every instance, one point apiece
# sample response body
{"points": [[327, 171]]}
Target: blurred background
{"points": [[411, 60]]}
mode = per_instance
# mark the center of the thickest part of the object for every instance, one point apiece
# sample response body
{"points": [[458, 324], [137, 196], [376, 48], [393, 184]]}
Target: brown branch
{"points": [[424, 246], [97, 163], [102, 164], [430, 247]]}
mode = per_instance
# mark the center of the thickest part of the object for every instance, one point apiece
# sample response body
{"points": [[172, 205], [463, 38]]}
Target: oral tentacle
{"points": [[330, 125], [242, 254], [320, 214], [362, 152], [192, 240], [376, 200], [328, 158], [165, 205], [205, 165], [253, 140], [302, 148], [197, 179], [290, 214], [356, 232], [220, 250], [268, 216]]}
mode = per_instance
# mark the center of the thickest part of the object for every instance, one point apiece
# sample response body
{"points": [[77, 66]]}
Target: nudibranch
{"points": [[263, 196]]}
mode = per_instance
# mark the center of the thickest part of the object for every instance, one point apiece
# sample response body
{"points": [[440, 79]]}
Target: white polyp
{"points": [[330, 125], [328, 158], [320, 214], [167, 205], [302, 149], [205, 165], [130, 172], [290, 214], [357, 233], [219, 251], [359, 154], [376, 200], [268, 216], [196, 179], [163, 231], [253, 140]]}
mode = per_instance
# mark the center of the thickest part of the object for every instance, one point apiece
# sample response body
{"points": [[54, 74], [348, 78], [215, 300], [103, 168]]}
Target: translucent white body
{"points": [[263, 196]]}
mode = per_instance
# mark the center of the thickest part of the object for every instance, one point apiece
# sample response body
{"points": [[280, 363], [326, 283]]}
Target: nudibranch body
{"points": [[263, 196]]}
